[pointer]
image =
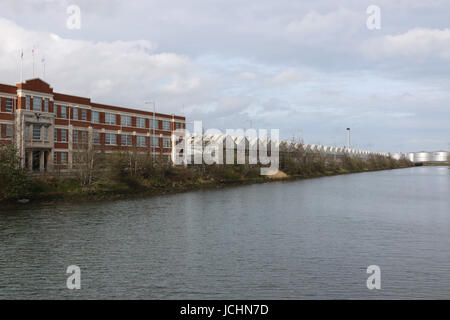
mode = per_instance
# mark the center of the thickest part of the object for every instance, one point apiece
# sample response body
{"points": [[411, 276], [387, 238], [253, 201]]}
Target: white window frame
{"points": [[63, 114], [109, 117], [128, 139], [167, 143], [140, 122], [125, 121], [9, 129], [109, 141], [36, 127], [63, 137], [9, 106], [83, 114], [63, 157], [96, 138], [153, 140], [37, 104], [153, 124], [166, 125], [95, 117], [141, 141], [45, 133], [28, 102], [27, 132]]}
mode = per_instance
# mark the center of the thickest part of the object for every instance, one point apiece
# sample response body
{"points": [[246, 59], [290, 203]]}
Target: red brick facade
{"points": [[47, 126]]}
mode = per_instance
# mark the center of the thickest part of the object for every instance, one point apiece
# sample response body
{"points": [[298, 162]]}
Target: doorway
{"points": [[36, 160]]}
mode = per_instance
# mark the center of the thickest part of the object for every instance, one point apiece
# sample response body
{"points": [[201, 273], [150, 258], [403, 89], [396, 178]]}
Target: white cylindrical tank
{"points": [[440, 156], [396, 156], [422, 156], [410, 156]]}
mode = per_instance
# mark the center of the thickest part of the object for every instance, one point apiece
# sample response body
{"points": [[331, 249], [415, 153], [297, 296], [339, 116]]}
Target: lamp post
{"points": [[153, 127], [348, 138]]}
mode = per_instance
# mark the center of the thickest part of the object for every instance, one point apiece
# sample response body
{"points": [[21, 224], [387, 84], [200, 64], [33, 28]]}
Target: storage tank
{"points": [[396, 156], [440, 156], [422, 156], [410, 156]]}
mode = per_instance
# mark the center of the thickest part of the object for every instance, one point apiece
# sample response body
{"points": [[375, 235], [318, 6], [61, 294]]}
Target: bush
{"points": [[14, 182]]}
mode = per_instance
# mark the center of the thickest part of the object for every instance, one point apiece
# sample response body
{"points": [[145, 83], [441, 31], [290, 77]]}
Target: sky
{"points": [[308, 68]]}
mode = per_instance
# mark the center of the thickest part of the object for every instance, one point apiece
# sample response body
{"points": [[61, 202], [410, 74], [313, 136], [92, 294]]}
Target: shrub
{"points": [[14, 182]]}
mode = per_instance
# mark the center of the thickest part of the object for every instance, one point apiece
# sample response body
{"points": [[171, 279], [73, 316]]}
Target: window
{"points": [[37, 103], [110, 139], [84, 136], [166, 143], [96, 137], [110, 118], [75, 113], [28, 102], [27, 132], [63, 157], [63, 112], [95, 117], [55, 110], [55, 134], [166, 125], [9, 105], [140, 122], [125, 121], [36, 132], [55, 157], [75, 136], [46, 105], [154, 141], [141, 141], [45, 133], [9, 129], [63, 135], [83, 114], [178, 125], [153, 124], [127, 140]]}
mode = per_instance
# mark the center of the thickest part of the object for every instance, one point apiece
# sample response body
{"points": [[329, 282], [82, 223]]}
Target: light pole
{"points": [[348, 138], [153, 127]]}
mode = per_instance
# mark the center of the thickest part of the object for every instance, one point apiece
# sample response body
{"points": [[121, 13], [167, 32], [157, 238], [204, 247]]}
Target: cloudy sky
{"points": [[309, 68]]}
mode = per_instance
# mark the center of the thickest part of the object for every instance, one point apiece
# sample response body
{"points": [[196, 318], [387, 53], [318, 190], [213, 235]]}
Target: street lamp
{"points": [[348, 138], [154, 123]]}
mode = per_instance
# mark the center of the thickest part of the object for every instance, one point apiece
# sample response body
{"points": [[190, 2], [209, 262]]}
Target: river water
{"points": [[305, 239]]}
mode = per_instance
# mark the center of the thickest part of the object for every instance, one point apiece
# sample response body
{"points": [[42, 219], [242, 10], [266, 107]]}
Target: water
{"points": [[293, 240]]}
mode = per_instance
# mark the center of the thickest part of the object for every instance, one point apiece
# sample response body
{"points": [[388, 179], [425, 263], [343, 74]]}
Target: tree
{"points": [[14, 182]]}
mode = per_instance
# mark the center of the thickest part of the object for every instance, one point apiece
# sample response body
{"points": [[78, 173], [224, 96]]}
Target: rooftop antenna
{"points": [[32, 52], [43, 67], [21, 66]]}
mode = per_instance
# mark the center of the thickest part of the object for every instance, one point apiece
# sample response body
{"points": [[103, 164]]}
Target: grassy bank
{"points": [[126, 175]]}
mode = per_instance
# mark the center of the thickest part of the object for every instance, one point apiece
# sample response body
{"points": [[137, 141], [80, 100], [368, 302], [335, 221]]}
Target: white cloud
{"points": [[117, 72], [248, 75], [418, 44], [319, 28], [287, 77]]}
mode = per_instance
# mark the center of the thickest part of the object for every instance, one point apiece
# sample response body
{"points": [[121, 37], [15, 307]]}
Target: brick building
{"points": [[48, 128]]}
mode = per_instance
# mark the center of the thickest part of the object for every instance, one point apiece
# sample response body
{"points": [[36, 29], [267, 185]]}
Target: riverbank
{"points": [[126, 174], [56, 190]]}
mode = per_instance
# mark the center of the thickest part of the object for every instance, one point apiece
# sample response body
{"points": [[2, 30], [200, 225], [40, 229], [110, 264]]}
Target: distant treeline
{"points": [[98, 174]]}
